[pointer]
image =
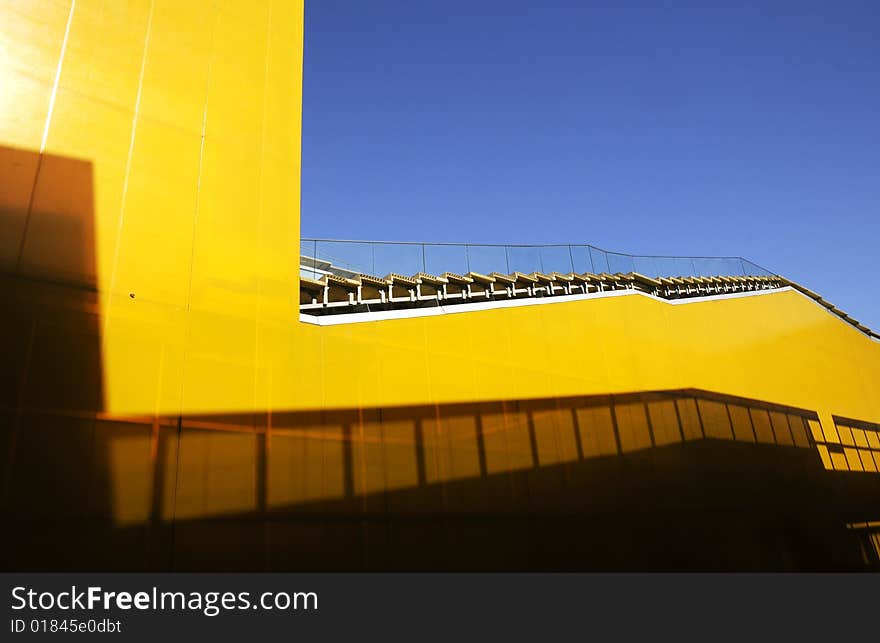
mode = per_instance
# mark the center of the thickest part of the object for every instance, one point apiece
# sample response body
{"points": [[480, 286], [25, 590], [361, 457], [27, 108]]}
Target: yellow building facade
{"points": [[163, 406]]}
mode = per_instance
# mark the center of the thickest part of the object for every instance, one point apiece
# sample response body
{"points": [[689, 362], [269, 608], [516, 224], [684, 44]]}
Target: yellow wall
{"points": [[187, 116], [154, 371]]}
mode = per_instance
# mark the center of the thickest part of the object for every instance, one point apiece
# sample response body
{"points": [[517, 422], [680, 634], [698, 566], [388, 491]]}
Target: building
{"points": [[186, 385]]}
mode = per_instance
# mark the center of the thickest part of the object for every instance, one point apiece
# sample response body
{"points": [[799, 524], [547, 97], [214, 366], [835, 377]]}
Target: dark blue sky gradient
{"points": [[738, 128]]}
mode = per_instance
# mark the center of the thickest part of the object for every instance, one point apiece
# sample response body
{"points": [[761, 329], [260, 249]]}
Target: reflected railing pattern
{"points": [[849, 445], [351, 455], [408, 258], [518, 484]]}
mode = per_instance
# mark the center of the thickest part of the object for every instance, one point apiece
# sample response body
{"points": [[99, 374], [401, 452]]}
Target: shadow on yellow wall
{"points": [[50, 328], [654, 480], [168, 169]]}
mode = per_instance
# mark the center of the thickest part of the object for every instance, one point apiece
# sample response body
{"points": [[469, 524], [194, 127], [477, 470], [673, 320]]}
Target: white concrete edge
{"points": [[411, 313]]}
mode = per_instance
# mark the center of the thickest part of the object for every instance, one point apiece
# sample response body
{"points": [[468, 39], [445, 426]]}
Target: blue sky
{"points": [[706, 128]]}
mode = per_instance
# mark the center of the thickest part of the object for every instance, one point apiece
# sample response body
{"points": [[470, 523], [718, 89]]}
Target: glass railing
{"points": [[383, 257]]}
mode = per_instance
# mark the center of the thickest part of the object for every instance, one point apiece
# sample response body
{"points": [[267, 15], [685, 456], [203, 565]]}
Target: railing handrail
{"points": [[532, 245]]}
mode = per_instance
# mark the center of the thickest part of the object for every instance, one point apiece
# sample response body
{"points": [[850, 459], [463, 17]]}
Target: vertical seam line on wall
{"points": [[195, 225], [45, 136], [173, 527], [751, 424], [678, 420], [533, 438], [57, 77], [481, 443], [419, 443], [134, 120], [260, 205], [700, 419], [650, 424], [157, 468], [442, 468], [362, 462], [187, 324], [614, 426], [576, 425], [730, 421]]}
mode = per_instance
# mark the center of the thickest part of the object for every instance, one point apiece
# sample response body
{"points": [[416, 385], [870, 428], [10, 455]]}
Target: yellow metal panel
{"points": [[216, 474], [839, 461], [867, 460], [742, 423], [24, 102], [146, 350], [149, 172], [715, 421], [177, 63], [852, 459], [632, 426], [188, 115], [691, 425], [664, 421], [33, 37], [457, 432], [154, 255], [596, 430], [823, 454], [96, 27], [19, 170]]}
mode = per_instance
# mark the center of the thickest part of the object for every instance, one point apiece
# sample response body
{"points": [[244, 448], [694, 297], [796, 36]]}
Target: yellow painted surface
{"points": [[188, 117], [154, 369]]}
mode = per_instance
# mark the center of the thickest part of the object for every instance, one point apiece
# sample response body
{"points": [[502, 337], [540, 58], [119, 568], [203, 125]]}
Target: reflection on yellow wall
{"points": [[848, 445], [244, 465]]}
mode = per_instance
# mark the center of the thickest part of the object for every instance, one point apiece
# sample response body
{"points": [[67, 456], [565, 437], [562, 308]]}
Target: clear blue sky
{"points": [[728, 128]]}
